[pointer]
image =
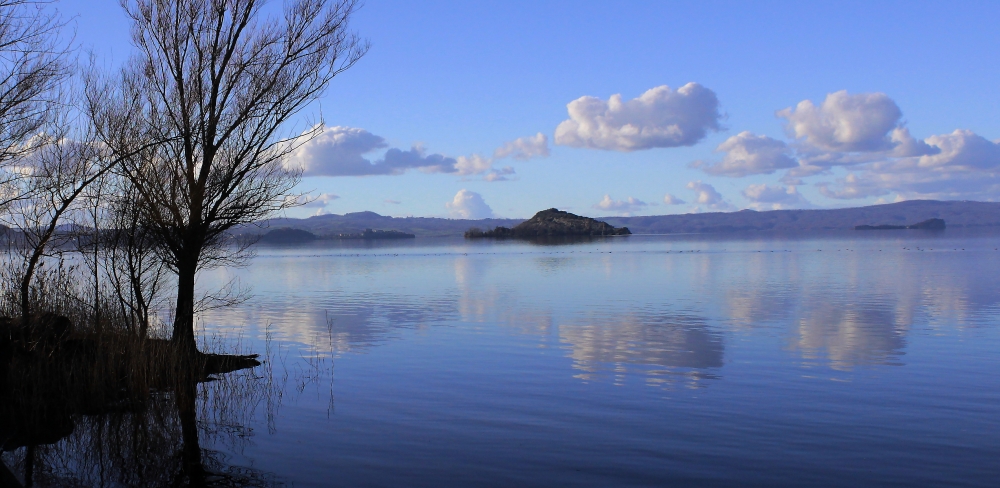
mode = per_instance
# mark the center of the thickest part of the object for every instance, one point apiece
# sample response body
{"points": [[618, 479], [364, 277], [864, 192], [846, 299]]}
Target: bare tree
{"points": [[33, 66], [217, 85], [55, 175], [94, 217], [130, 260]]}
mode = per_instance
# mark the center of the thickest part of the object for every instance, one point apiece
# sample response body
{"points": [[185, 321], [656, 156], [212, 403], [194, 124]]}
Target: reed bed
{"points": [[87, 400]]}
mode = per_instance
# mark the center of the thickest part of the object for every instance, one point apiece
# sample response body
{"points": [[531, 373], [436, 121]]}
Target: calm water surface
{"points": [[842, 360]]}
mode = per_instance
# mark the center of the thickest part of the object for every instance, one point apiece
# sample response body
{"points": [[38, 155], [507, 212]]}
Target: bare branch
{"points": [[215, 86]]}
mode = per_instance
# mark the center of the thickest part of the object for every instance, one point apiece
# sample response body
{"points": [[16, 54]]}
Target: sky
{"points": [[501, 109]]}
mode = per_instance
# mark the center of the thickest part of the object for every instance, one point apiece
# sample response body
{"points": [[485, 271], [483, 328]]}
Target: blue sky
{"points": [[889, 85]]}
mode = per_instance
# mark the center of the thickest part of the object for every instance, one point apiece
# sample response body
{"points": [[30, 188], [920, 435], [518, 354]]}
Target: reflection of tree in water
{"points": [[667, 349], [153, 438]]}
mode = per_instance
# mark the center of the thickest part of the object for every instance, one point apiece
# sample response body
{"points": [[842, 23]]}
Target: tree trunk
{"points": [[29, 272], [139, 308], [184, 314]]}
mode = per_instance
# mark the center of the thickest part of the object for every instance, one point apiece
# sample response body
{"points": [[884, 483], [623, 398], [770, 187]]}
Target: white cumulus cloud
{"points": [[749, 154], [660, 117], [397, 161], [472, 165], [845, 122], [883, 200], [865, 133], [964, 165], [962, 150], [319, 202], [311, 201], [336, 151], [340, 151], [848, 130], [524, 148], [707, 198], [907, 146], [669, 199], [852, 187], [469, 205], [776, 197], [624, 207], [499, 174]]}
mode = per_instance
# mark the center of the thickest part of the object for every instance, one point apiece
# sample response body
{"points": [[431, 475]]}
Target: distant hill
{"points": [[957, 214], [356, 223]]}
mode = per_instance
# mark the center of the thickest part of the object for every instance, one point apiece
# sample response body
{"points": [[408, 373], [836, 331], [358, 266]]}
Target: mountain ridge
{"points": [[958, 214]]}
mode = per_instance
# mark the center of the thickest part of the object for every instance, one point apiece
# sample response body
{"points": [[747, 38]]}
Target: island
{"points": [[552, 223], [929, 224], [376, 234], [288, 235]]}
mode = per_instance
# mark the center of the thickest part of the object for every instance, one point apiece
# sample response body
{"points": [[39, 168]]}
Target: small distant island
{"points": [[376, 234], [552, 223], [929, 224], [289, 235]]}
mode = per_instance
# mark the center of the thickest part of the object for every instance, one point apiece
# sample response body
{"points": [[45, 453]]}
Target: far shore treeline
{"points": [[958, 214]]}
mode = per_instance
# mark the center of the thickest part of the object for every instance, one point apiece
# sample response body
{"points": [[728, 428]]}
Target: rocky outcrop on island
{"points": [[376, 234], [552, 223], [929, 224]]}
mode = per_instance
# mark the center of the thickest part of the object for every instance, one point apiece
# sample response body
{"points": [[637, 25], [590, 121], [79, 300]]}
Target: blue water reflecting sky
{"points": [[776, 360]]}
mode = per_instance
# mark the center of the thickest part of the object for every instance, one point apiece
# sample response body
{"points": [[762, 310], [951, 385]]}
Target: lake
{"points": [[845, 359]]}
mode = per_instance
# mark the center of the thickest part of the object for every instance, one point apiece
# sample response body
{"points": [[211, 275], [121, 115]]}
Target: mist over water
{"points": [[841, 360]]}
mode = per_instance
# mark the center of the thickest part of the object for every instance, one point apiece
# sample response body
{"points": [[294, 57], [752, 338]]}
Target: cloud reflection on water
{"points": [[636, 343], [662, 348], [339, 324], [624, 313], [850, 336]]}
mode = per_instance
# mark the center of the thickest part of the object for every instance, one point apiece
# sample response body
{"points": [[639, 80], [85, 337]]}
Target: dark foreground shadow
{"points": [[69, 416]]}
